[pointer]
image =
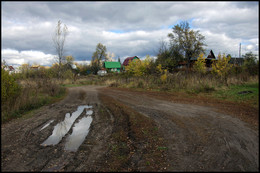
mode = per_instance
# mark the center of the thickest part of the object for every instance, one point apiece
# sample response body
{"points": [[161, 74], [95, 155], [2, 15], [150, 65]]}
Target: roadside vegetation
{"points": [[32, 88], [27, 91]]}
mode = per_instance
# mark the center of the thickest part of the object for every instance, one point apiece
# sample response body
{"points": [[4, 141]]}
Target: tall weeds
{"points": [[190, 82], [34, 93]]}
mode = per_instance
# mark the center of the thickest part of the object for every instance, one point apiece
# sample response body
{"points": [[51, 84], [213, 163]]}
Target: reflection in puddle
{"points": [[80, 131], [46, 125], [90, 112], [63, 127]]}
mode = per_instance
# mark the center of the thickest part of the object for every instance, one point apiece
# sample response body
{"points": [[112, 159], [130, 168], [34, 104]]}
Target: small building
{"points": [[10, 69], [236, 61], [102, 72], [209, 60], [112, 66], [127, 60], [35, 67], [181, 65]]}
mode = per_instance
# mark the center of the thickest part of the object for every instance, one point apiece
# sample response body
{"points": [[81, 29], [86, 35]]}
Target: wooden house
{"points": [[10, 69], [128, 59], [112, 66], [236, 61], [35, 67], [209, 60]]}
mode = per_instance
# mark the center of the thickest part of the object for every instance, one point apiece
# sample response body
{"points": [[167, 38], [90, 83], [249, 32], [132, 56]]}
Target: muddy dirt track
{"points": [[198, 138]]}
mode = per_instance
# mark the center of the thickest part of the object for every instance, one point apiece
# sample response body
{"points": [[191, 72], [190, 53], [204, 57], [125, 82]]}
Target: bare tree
{"points": [[59, 38]]}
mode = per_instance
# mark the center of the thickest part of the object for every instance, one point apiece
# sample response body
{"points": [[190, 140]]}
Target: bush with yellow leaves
{"points": [[200, 64], [221, 67]]}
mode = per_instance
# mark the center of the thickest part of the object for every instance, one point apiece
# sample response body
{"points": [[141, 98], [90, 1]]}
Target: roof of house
{"points": [[11, 68], [112, 64], [211, 55], [126, 61]]}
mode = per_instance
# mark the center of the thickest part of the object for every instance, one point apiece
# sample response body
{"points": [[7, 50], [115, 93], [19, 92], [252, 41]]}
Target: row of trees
{"points": [[221, 68], [184, 44]]}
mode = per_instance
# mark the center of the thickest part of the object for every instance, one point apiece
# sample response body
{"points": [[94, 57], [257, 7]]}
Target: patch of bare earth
{"points": [[135, 143], [21, 140], [200, 136], [135, 131], [242, 111]]}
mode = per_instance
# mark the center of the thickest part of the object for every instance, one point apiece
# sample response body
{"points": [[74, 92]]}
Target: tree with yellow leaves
{"points": [[200, 64], [163, 73], [139, 68], [221, 67]]}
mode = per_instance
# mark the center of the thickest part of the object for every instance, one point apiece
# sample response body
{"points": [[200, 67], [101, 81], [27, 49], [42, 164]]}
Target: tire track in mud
{"points": [[199, 139], [21, 139]]}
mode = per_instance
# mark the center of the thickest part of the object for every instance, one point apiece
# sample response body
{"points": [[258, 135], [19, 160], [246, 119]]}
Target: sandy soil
{"points": [[199, 138]]}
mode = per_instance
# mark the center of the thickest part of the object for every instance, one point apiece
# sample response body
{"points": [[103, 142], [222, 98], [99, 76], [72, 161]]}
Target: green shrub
{"points": [[236, 70], [140, 84], [250, 65], [10, 89]]}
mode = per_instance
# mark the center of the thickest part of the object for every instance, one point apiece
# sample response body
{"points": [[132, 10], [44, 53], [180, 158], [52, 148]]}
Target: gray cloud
{"points": [[28, 26]]}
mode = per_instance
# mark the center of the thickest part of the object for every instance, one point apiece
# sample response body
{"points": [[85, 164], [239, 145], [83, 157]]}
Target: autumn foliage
{"points": [[138, 67], [200, 64], [10, 89], [222, 67]]}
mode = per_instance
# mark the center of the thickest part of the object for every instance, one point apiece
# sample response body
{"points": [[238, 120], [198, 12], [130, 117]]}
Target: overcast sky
{"points": [[125, 28]]}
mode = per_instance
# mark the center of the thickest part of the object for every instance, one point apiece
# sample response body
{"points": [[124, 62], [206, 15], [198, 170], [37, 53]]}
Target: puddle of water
{"points": [[46, 125], [80, 131], [63, 127], [89, 112]]}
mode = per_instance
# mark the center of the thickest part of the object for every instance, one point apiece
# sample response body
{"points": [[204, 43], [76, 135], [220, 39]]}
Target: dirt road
{"points": [[197, 138]]}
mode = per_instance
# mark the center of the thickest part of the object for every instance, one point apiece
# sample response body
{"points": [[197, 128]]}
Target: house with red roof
{"points": [[10, 69], [127, 60]]}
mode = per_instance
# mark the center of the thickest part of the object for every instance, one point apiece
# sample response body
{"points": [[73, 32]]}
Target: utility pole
{"points": [[240, 50]]}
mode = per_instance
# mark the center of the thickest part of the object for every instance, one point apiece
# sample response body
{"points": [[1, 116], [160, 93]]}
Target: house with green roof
{"points": [[112, 66]]}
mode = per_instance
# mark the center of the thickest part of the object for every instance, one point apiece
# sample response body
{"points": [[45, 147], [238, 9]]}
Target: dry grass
{"points": [[111, 83], [192, 82], [34, 94]]}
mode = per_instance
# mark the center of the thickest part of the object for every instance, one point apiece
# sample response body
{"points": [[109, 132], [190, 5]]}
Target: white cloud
{"points": [[83, 62], [16, 58], [221, 43], [249, 47]]}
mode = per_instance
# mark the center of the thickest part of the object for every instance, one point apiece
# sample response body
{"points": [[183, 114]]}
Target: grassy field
{"points": [[232, 94]]}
